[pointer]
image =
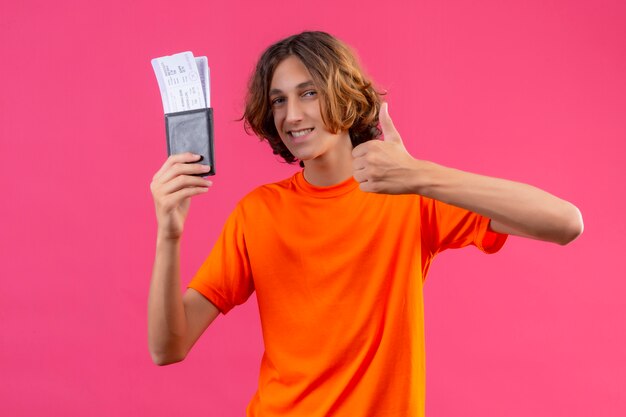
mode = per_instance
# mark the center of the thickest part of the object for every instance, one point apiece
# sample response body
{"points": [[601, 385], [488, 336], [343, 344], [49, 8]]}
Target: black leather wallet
{"points": [[191, 131]]}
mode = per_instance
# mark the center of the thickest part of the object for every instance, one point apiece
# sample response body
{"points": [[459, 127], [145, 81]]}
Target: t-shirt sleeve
{"points": [[225, 277], [445, 227]]}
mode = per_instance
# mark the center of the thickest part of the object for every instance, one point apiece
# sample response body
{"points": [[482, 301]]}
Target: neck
{"points": [[332, 167]]}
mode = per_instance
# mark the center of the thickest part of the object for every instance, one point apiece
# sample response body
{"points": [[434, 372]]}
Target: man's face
{"points": [[296, 106]]}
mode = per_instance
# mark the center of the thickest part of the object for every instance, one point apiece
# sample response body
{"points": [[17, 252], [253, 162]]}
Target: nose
{"points": [[294, 111]]}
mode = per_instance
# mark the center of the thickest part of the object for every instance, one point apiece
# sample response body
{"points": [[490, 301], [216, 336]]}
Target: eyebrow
{"points": [[305, 84]]}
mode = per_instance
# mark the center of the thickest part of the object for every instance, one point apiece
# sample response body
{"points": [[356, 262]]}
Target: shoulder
{"points": [[268, 193]]}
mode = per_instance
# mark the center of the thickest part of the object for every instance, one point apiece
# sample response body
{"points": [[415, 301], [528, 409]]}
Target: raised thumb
{"points": [[389, 130]]}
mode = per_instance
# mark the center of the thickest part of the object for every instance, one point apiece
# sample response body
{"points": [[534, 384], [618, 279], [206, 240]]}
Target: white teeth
{"points": [[298, 133]]}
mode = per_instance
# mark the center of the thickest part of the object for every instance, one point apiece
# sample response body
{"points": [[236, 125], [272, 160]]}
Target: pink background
{"points": [[533, 91]]}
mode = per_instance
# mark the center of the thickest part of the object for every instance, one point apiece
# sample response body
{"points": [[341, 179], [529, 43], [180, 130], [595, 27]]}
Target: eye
{"points": [[277, 101], [309, 93]]}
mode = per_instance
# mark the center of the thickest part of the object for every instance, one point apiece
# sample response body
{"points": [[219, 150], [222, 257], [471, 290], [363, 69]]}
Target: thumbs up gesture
{"points": [[385, 166]]}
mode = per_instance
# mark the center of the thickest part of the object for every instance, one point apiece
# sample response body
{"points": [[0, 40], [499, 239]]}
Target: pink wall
{"points": [[533, 91]]}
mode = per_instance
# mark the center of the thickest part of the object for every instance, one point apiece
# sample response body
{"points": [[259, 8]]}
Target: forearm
{"points": [[386, 167], [513, 207], [166, 312]]}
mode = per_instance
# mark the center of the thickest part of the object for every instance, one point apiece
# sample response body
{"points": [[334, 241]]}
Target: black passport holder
{"points": [[191, 131]]}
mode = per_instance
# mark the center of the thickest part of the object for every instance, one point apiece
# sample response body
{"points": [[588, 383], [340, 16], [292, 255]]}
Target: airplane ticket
{"points": [[183, 82]]}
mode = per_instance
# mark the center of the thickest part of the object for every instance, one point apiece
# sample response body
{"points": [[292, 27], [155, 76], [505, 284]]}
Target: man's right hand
{"points": [[172, 188]]}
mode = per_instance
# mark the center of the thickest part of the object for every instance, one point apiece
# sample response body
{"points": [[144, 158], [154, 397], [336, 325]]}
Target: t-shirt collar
{"points": [[324, 192]]}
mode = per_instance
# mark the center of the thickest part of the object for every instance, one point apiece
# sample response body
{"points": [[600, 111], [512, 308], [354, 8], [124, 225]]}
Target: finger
{"points": [[188, 192], [182, 182], [176, 198], [368, 187], [360, 150], [358, 164], [175, 159], [183, 169], [389, 130], [360, 176]]}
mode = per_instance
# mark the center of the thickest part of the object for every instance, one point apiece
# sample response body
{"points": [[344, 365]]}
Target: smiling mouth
{"points": [[299, 133]]}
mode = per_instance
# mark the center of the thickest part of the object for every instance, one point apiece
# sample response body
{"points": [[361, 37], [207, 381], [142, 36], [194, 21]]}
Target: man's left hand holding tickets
{"points": [[385, 166]]}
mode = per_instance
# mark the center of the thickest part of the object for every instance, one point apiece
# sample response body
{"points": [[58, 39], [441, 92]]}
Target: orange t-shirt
{"points": [[338, 275]]}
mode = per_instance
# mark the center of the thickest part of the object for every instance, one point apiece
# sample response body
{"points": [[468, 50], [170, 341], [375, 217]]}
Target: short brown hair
{"points": [[350, 101]]}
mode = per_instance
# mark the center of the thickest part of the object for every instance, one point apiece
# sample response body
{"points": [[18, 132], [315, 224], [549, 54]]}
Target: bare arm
{"points": [[513, 207], [175, 321]]}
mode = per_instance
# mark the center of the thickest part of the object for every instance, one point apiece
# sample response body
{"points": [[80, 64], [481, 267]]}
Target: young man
{"points": [[337, 253]]}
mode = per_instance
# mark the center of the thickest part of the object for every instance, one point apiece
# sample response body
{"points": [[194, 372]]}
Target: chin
{"points": [[304, 156]]}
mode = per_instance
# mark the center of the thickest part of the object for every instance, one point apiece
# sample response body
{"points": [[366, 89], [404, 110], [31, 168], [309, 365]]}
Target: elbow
{"points": [[163, 360], [573, 227]]}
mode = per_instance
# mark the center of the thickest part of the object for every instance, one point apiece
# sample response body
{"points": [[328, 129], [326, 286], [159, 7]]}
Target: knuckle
{"points": [[181, 168], [181, 180], [175, 182]]}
